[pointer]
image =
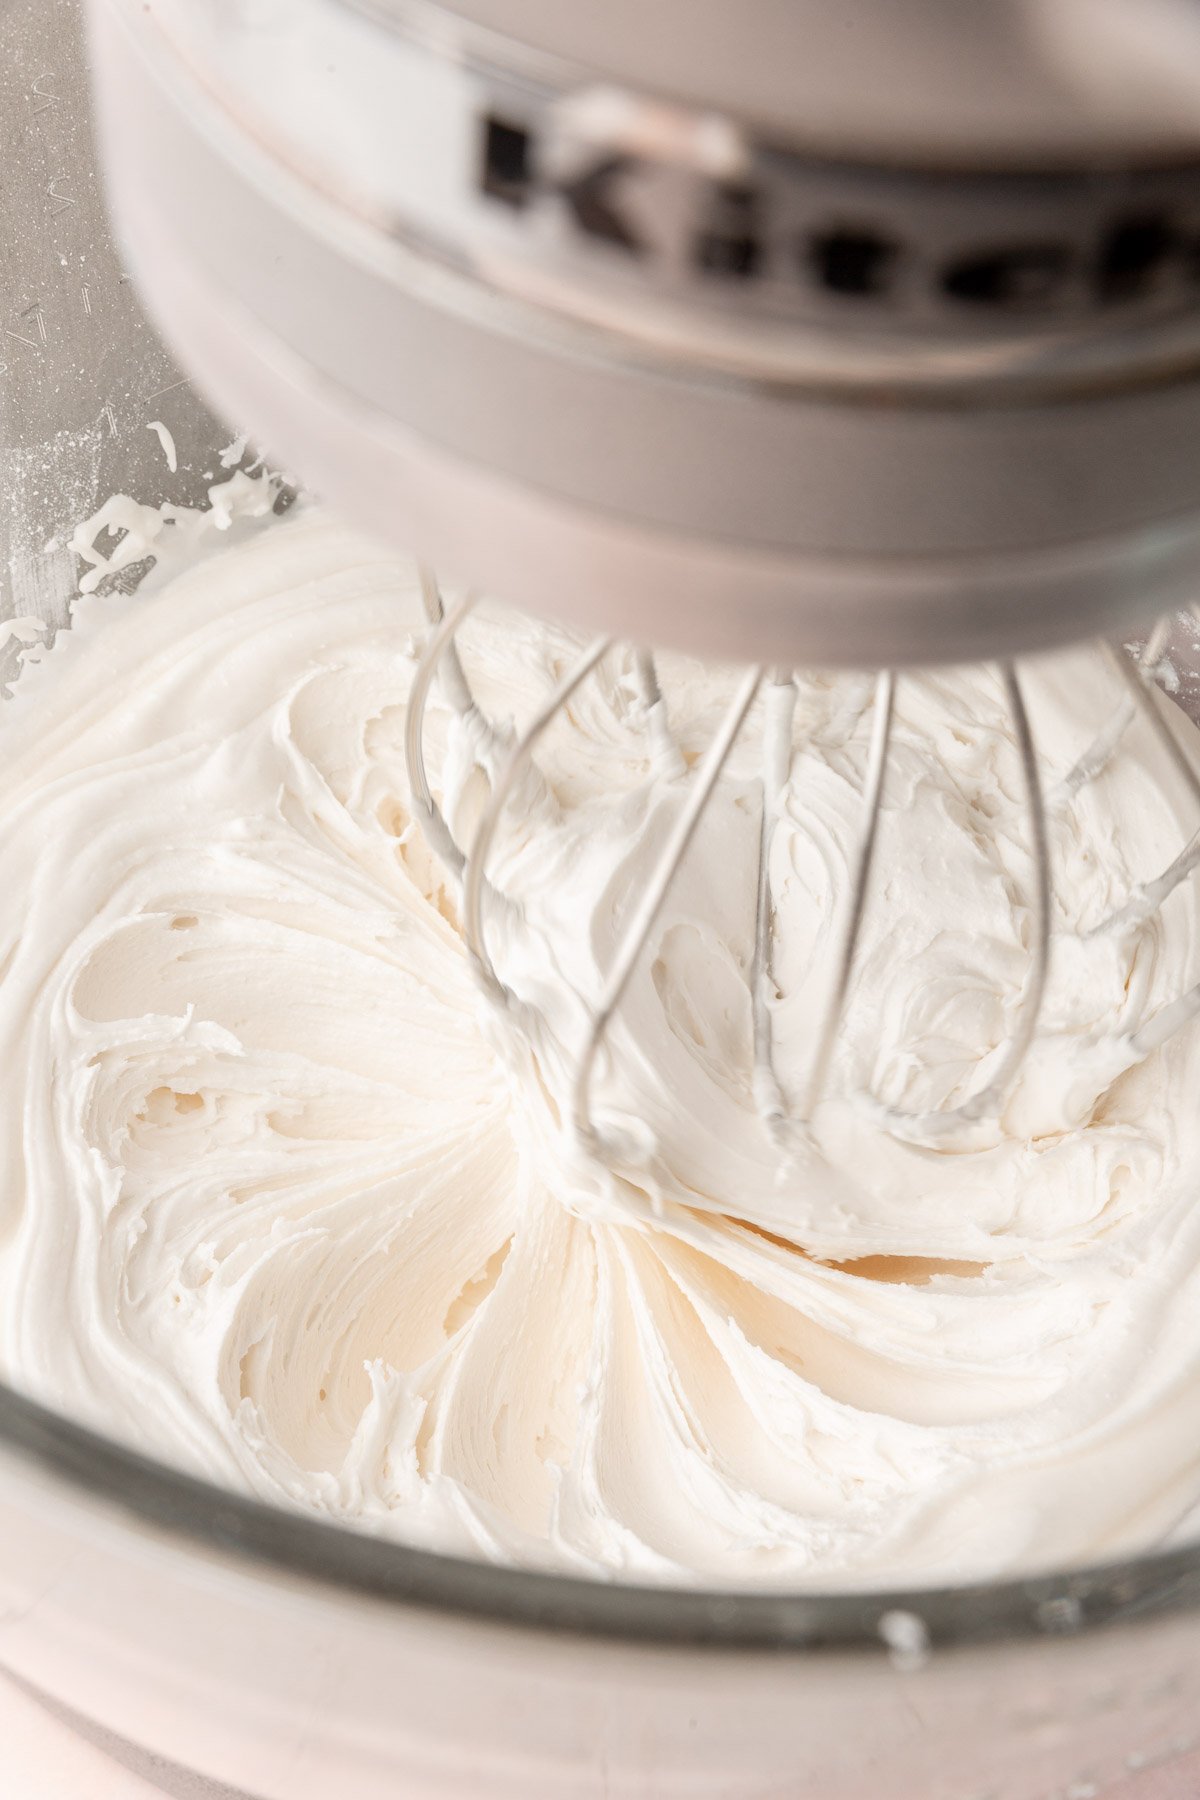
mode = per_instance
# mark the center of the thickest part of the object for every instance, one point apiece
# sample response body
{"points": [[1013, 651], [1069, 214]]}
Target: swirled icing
{"points": [[285, 1202]]}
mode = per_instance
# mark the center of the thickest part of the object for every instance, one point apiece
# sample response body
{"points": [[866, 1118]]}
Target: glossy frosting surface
{"points": [[283, 1201]]}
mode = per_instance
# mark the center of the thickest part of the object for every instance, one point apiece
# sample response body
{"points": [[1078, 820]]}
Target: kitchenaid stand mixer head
{"points": [[778, 333]]}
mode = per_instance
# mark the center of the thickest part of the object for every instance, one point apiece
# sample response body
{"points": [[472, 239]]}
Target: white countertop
{"points": [[43, 1759]]}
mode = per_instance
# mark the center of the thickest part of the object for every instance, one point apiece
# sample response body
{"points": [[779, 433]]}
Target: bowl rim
{"points": [[269, 1540]]}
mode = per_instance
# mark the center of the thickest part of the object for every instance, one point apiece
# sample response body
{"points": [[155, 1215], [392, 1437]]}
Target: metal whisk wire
{"points": [[440, 652], [485, 831], [987, 1100], [881, 737], [782, 1113], [779, 708], [1150, 896], [642, 923], [1107, 741]]}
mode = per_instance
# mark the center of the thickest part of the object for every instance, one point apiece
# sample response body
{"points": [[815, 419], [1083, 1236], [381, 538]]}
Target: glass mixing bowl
{"points": [[216, 1643]]}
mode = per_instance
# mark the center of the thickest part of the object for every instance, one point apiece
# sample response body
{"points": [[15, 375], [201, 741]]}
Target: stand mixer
{"points": [[256, 152], [867, 342]]}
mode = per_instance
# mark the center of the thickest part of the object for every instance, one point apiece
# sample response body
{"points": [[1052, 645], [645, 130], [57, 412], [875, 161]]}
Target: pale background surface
{"points": [[43, 1759]]}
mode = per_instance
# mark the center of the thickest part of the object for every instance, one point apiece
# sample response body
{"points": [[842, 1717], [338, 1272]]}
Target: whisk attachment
{"points": [[779, 708], [881, 737], [663, 748], [642, 923], [440, 653], [1147, 898], [921, 1127], [1107, 741], [508, 757], [501, 793]]}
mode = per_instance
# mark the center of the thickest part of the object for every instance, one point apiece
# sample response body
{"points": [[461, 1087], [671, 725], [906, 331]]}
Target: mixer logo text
{"points": [[913, 240]]}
